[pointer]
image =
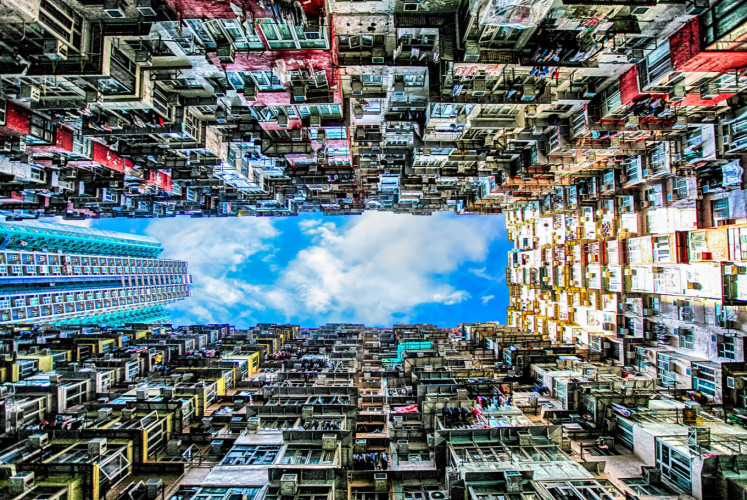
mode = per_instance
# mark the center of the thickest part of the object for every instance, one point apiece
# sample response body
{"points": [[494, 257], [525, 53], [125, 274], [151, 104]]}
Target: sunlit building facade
{"points": [[56, 273]]}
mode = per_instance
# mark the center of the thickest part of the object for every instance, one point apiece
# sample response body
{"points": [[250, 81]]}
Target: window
{"points": [[304, 456], [278, 36], [659, 159], [449, 110], [634, 251], [37, 173], [201, 33], [633, 169], [608, 181], [414, 80], [611, 101], [674, 466], [285, 36], [656, 65], [720, 209], [240, 38], [41, 130], [371, 80], [332, 133], [686, 338], [738, 243], [371, 106], [727, 347], [681, 188], [661, 249], [184, 83], [325, 110]]}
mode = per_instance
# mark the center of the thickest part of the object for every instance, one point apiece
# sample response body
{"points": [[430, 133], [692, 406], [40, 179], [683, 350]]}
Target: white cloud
{"points": [[214, 249], [377, 268], [69, 222], [380, 266], [486, 298]]}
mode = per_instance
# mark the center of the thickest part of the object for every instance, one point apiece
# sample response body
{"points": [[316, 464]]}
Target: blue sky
{"points": [[378, 268]]}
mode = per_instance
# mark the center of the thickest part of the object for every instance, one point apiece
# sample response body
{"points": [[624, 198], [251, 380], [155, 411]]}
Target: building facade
{"points": [[57, 273], [344, 411], [215, 109]]}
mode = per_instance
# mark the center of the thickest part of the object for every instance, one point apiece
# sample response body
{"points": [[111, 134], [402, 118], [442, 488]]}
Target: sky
{"points": [[377, 268]]}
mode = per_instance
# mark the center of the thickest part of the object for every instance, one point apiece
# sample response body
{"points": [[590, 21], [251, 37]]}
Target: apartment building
{"points": [[343, 411], [188, 107], [58, 273]]}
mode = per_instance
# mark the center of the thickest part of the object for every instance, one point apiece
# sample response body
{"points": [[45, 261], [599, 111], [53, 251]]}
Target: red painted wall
{"points": [[17, 120], [64, 138], [685, 44], [221, 9], [629, 86], [104, 156], [688, 56], [161, 180]]}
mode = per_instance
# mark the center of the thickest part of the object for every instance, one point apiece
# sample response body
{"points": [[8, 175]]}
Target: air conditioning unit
{"points": [[174, 447], [250, 90], [216, 447], [399, 87], [471, 51], [635, 55], [299, 92], [378, 55], [381, 482], [145, 7], [357, 87], [97, 448], [590, 90], [55, 50], [30, 92], [696, 7], [321, 136], [680, 122], [143, 56], [479, 87], [329, 442], [651, 475], [403, 447], [677, 93], [154, 487], [289, 484], [39, 440], [114, 9], [513, 481], [226, 53], [709, 91], [221, 115], [282, 119], [315, 120], [525, 438], [20, 483], [529, 92]]}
